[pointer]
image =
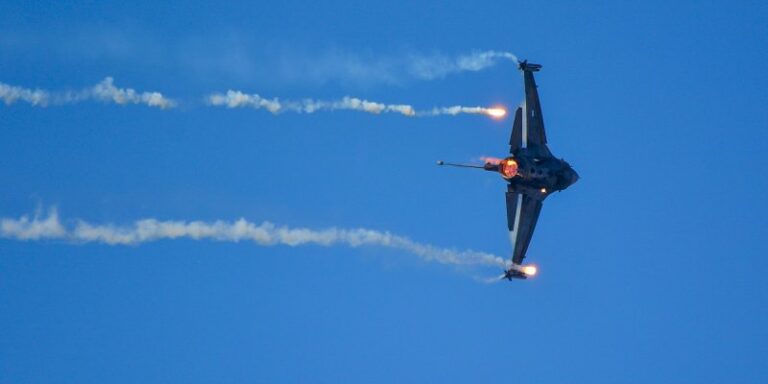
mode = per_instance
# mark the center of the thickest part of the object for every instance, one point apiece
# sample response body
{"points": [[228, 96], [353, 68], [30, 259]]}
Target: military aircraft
{"points": [[531, 172]]}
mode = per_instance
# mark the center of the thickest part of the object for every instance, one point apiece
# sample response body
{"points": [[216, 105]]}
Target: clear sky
{"points": [[652, 267]]}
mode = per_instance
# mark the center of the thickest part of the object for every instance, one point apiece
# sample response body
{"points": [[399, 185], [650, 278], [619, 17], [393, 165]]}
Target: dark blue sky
{"points": [[652, 267]]}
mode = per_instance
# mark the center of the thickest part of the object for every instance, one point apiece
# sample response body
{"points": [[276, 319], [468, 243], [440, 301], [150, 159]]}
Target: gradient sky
{"points": [[652, 266]]}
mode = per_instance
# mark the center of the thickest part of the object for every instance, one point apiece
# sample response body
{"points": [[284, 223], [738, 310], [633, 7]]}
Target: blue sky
{"points": [[652, 266]]}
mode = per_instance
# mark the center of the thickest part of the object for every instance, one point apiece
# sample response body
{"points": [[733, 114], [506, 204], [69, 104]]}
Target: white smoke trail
{"points": [[360, 68], [458, 109], [10, 94], [104, 91], [434, 67], [36, 228], [238, 99], [264, 234]]}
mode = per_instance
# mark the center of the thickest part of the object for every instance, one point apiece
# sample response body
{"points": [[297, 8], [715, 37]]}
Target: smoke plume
{"points": [[10, 94], [435, 67], [142, 231], [238, 99], [458, 109], [104, 91], [363, 69]]}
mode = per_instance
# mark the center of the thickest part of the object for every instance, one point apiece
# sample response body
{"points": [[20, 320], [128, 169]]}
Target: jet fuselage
{"points": [[531, 171]]}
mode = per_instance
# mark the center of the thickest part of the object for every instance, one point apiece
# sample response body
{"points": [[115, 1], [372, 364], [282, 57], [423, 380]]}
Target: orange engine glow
{"points": [[508, 168], [496, 113], [530, 270]]}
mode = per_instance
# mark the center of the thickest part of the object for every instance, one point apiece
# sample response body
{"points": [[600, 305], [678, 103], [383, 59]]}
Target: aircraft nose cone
{"points": [[574, 177], [569, 177]]}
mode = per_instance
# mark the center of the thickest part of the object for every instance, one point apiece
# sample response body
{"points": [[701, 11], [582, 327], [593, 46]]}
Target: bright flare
{"points": [[530, 270], [496, 113]]}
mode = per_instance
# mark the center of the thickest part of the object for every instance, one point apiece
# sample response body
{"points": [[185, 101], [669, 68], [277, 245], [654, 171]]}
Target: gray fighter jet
{"points": [[531, 173]]}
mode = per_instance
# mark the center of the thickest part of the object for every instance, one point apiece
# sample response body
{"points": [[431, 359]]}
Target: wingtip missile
{"points": [[440, 162]]}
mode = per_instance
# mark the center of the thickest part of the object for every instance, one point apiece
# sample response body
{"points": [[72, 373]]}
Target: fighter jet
{"points": [[531, 171]]}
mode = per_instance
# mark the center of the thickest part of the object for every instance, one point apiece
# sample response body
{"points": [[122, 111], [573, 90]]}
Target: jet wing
{"points": [[528, 129], [522, 213]]}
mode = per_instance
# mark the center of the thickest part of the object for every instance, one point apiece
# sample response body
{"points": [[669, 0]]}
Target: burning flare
{"points": [[530, 270], [496, 113]]}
